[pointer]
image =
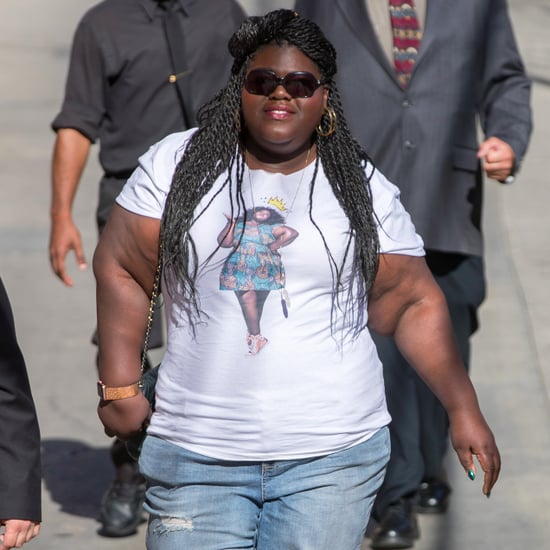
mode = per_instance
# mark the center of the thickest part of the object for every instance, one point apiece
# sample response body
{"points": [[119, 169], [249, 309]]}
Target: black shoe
{"points": [[433, 497], [398, 527], [122, 508]]}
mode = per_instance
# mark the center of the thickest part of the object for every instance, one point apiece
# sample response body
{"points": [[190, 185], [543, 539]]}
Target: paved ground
{"points": [[510, 356]]}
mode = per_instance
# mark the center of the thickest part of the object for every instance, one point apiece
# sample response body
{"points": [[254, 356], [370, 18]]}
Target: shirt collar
{"points": [[150, 6]]}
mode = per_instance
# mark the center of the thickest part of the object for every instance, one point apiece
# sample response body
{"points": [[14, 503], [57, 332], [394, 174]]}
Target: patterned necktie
{"points": [[406, 38]]}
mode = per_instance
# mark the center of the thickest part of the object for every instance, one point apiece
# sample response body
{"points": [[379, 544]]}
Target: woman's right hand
{"points": [[123, 418], [124, 264]]}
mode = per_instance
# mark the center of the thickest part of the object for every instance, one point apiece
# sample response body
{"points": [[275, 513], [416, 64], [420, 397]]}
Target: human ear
{"points": [[326, 92]]}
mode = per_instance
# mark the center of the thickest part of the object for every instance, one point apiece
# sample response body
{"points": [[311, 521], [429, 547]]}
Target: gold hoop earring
{"points": [[329, 114]]}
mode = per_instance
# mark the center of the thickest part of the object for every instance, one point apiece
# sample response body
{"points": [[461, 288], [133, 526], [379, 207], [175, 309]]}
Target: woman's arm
{"points": [[124, 265], [226, 237], [284, 236], [408, 304]]}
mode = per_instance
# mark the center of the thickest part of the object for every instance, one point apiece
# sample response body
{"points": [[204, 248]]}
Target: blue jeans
{"points": [[200, 503]]}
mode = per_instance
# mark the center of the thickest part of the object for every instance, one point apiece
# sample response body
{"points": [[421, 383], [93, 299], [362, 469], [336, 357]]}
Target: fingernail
{"points": [[471, 474], [488, 494]]}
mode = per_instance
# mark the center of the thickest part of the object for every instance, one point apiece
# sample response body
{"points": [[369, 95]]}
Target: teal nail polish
{"points": [[488, 494], [471, 474]]}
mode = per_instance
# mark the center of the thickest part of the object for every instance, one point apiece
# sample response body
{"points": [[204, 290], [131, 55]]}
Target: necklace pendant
{"points": [[285, 302], [286, 296]]}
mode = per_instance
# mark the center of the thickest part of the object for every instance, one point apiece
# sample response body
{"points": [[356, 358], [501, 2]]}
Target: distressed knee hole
{"points": [[164, 525]]}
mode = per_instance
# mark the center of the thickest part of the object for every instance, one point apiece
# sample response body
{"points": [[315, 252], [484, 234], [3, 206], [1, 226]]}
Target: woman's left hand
{"points": [[471, 436], [408, 304]]}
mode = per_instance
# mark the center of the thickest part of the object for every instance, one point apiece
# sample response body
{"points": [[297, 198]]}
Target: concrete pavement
{"points": [[510, 365]]}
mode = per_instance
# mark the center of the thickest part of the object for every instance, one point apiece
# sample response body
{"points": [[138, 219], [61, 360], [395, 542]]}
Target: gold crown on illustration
{"points": [[277, 203]]}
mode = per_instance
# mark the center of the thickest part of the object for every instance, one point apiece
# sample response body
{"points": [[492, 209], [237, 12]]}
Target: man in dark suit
{"points": [[20, 466], [418, 119]]}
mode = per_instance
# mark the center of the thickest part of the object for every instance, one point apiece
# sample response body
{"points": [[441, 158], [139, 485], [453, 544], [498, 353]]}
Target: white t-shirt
{"points": [[306, 393]]}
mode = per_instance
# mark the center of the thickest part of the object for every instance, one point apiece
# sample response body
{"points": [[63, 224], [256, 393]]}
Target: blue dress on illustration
{"points": [[252, 265]]}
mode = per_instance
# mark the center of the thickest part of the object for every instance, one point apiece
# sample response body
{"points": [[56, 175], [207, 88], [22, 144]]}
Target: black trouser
{"points": [[419, 427]]}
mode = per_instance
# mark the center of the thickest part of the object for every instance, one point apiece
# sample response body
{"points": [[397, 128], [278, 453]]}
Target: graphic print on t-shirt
{"points": [[254, 266]]}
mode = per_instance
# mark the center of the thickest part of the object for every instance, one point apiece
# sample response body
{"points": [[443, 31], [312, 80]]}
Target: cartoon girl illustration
{"points": [[254, 268]]}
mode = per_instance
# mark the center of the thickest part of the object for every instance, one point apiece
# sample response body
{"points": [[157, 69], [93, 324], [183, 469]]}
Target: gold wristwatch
{"points": [[111, 393]]}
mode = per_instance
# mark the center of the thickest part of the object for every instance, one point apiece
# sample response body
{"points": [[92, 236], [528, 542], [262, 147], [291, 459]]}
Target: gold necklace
{"points": [[285, 298], [291, 207]]}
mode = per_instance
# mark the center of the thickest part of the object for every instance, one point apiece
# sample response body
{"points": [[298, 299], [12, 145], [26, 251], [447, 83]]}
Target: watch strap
{"points": [[112, 393]]}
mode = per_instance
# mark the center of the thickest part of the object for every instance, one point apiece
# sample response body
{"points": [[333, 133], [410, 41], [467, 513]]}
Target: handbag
{"points": [[149, 377]]}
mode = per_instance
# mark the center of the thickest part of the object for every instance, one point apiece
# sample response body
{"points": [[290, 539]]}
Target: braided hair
{"points": [[216, 148]]}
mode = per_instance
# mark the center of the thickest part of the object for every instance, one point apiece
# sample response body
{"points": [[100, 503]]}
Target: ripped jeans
{"points": [[200, 503]]}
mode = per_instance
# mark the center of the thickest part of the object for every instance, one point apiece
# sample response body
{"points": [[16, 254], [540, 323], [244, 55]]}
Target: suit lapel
{"points": [[434, 11], [355, 14]]}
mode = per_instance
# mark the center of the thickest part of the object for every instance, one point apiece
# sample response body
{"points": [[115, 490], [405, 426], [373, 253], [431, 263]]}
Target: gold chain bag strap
{"points": [[148, 377]]}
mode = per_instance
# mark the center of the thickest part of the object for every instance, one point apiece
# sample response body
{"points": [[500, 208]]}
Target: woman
{"points": [[287, 448], [254, 267]]}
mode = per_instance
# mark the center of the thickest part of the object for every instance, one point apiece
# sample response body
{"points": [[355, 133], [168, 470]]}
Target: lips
{"points": [[278, 111]]}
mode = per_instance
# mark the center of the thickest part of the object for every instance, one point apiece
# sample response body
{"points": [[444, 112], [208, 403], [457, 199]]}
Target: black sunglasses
{"points": [[298, 84]]}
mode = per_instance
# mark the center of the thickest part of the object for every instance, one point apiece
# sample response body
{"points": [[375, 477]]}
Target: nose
{"points": [[279, 92]]}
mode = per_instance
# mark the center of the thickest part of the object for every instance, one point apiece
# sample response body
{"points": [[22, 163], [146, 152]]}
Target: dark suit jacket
{"points": [[425, 139], [20, 466]]}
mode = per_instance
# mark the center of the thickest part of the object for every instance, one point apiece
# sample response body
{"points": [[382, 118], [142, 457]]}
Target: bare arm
{"points": [[285, 235], [407, 303], [70, 155], [124, 266], [226, 237]]}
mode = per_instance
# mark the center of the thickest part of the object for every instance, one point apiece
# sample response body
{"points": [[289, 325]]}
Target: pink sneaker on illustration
{"points": [[255, 343]]}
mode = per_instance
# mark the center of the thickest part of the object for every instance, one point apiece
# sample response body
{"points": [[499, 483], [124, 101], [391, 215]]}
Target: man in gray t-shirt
{"points": [[139, 70]]}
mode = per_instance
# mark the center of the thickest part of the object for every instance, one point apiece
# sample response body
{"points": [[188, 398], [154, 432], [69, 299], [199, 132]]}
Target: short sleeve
{"points": [[84, 103], [396, 230], [146, 190]]}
